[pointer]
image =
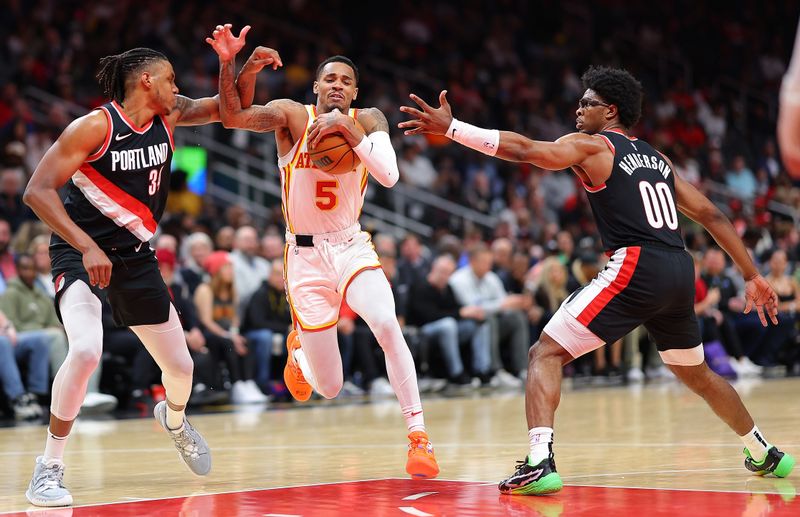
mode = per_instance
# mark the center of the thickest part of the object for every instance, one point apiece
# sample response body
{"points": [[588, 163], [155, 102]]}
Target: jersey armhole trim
{"points": [[103, 148], [169, 131], [592, 189], [608, 143]]}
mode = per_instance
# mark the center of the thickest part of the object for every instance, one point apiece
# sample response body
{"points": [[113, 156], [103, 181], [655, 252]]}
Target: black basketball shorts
{"points": [[137, 293], [641, 285]]}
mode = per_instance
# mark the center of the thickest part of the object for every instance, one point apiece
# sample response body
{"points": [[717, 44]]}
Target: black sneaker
{"points": [[778, 463], [538, 479]]}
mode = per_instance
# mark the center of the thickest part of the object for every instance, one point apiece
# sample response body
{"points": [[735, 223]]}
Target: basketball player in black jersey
{"points": [[634, 194], [117, 162]]}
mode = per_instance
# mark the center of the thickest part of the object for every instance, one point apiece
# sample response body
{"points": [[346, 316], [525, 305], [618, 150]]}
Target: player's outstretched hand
{"points": [[429, 119], [96, 263], [261, 57], [758, 293], [225, 44]]}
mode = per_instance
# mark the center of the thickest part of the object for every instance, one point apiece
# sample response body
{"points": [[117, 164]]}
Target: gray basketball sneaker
{"points": [[192, 447], [47, 485]]}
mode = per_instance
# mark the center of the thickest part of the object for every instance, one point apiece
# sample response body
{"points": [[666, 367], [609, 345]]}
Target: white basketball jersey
{"points": [[314, 201]]}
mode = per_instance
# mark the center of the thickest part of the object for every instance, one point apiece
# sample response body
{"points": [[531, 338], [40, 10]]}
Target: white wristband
{"points": [[484, 140]]}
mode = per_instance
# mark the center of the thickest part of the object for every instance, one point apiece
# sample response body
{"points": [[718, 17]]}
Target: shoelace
{"points": [[521, 465], [186, 443], [419, 443], [53, 477]]}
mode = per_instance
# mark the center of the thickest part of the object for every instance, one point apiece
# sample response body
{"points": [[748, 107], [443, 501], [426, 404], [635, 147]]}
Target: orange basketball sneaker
{"points": [[292, 374], [421, 462]]}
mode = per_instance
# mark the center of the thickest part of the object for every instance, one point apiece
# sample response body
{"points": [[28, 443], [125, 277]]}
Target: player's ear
{"points": [[316, 88], [146, 79], [355, 93], [612, 112]]}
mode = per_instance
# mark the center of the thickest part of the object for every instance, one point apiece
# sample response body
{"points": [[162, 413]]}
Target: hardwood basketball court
{"points": [[652, 449]]}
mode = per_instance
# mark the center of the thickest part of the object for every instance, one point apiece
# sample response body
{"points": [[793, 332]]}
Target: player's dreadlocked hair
{"points": [[116, 69], [616, 86]]}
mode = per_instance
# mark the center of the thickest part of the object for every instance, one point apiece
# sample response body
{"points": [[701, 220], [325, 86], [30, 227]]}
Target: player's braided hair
{"points": [[616, 86], [116, 69]]}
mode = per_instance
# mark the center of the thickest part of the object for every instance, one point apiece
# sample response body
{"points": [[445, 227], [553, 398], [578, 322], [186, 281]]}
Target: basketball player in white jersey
{"points": [[328, 257], [789, 116]]}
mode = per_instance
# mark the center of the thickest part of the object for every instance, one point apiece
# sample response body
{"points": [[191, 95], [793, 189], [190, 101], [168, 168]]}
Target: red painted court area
{"points": [[402, 497]]}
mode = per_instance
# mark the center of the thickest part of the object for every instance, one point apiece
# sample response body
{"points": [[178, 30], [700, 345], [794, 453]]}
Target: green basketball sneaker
{"points": [[538, 479], [778, 463]]}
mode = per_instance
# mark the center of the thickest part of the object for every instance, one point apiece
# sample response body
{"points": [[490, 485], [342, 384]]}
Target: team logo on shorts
{"points": [[59, 282]]}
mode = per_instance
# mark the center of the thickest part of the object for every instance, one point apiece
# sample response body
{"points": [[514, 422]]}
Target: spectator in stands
{"points": [[33, 352], [249, 269], [413, 264], [267, 320], [740, 179], [181, 200], [12, 208], [778, 338], [39, 249], [216, 303], [194, 251], [223, 239], [33, 316], [7, 268], [730, 304], [272, 246], [415, 168], [477, 285], [433, 308], [502, 251]]}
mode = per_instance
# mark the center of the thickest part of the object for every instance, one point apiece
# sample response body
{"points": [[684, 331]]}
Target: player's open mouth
{"points": [[336, 97]]}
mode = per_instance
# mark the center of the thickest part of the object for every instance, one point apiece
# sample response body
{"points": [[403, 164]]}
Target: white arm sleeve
{"points": [[377, 154]]}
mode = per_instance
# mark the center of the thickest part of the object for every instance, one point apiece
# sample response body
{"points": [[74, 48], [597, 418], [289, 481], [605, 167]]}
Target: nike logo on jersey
{"points": [[121, 137]]}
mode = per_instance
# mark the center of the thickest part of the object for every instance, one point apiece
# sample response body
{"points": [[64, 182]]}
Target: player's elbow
{"points": [[31, 196]]}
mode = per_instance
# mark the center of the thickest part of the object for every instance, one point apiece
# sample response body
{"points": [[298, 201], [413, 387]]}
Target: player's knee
{"points": [[384, 328], [547, 348], [183, 368], [85, 358]]}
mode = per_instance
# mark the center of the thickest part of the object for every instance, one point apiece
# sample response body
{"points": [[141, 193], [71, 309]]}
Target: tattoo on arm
{"points": [[228, 96], [194, 111], [379, 120], [246, 86]]}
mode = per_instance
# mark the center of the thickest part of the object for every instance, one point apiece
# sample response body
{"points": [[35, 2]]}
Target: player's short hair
{"points": [[115, 70], [616, 86], [337, 59]]}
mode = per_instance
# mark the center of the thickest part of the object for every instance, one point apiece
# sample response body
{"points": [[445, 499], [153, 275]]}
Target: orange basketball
{"points": [[334, 155]]}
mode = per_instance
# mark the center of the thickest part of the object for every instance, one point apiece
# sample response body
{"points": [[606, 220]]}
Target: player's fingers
{"points": [[105, 275], [422, 104], [414, 131], [210, 41], [443, 100], [92, 276], [414, 112], [410, 124], [748, 306], [773, 314], [760, 311], [244, 31]]}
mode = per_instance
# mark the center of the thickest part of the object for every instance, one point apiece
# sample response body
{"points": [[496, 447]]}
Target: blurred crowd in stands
{"points": [[471, 299]]}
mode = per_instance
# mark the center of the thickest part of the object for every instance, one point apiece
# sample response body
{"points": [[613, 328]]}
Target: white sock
{"points": [[415, 421], [540, 440], [302, 362], [756, 444], [54, 448]]}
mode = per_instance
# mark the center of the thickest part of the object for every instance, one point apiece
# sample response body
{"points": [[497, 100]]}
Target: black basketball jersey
{"points": [[636, 205], [119, 193]]}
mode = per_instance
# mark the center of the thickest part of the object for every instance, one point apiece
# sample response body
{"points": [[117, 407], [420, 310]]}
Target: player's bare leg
{"points": [[760, 457], [537, 473]]}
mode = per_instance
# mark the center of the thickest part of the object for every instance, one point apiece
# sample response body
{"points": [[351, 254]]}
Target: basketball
{"points": [[334, 155]]}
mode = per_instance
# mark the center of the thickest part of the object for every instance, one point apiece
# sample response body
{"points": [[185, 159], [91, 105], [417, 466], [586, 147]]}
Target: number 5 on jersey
{"points": [[326, 194]]}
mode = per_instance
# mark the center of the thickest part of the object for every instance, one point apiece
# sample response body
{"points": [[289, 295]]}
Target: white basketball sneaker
{"points": [[192, 447], [47, 485]]}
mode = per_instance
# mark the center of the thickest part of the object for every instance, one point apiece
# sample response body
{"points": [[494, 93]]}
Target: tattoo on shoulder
{"points": [[379, 122]]}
